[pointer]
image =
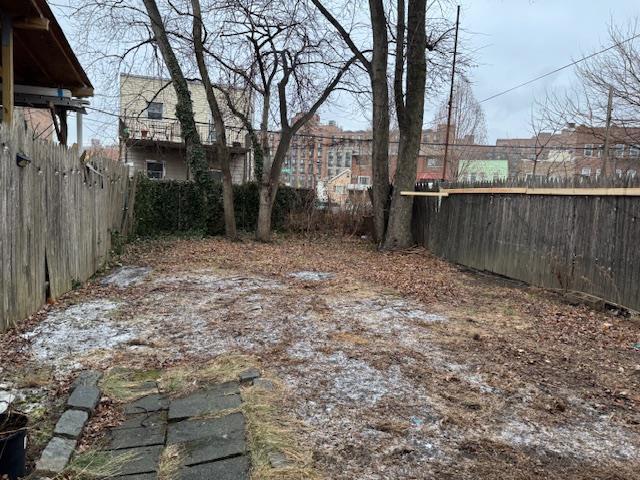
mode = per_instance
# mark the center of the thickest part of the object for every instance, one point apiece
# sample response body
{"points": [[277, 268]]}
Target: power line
{"points": [[575, 62], [558, 146]]}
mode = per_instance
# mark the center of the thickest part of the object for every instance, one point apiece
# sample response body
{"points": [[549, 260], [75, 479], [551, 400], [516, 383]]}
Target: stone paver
{"points": [[138, 460], [137, 437], [212, 448], [210, 401], [249, 375], [71, 423], [264, 384], [223, 427], [138, 420], [88, 378], [55, 455], [231, 469], [84, 397], [148, 403]]}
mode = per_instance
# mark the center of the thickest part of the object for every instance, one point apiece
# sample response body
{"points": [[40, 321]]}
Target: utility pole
{"points": [[453, 74], [605, 154]]}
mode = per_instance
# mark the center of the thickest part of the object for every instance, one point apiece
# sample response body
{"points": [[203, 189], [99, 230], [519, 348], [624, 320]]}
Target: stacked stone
{"points": [[80, 406]]}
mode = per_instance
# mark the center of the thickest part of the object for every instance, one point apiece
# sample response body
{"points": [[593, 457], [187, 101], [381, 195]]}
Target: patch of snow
{"points": [[126, 276], [6, 399], [312, 276], [595, 440], [79, 329]]}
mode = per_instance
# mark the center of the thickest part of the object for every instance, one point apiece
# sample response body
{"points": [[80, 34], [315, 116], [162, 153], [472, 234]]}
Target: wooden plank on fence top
{"points": [[425, 194], [622, 192]]}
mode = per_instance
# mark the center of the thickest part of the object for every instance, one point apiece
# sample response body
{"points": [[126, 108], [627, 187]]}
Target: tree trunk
{"points": [[196, 155], [222, 149], [410, 117], [380, 127], [263, 230]]}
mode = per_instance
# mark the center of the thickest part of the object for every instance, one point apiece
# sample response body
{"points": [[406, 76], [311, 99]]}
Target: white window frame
{"points": [[586, 171], [363, 180], [634, 151], [588, 147], [161, 162]]}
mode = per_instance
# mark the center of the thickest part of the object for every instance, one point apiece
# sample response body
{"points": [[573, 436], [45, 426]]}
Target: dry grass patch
{"points": [[187, 378], [170, 460], [270, 432]]}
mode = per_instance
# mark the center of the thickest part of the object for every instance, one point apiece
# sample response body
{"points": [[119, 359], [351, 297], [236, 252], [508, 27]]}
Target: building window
{"points": [[432, 162], [631, 173], [154, 110], [618, 150], [586, 171], [340, 189], [634, 151], [618, 172], [588, 150], [155, 169], [363, 180]]}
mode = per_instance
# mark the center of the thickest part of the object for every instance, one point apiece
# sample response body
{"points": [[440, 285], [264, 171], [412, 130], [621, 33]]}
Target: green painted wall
{"points": [[483, 169]]}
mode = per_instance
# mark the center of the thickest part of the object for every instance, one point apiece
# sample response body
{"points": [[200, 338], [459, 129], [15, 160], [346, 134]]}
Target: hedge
{"points": [[174, 206]]}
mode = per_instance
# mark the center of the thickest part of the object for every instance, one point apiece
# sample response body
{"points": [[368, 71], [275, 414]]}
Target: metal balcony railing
{"points": [[169, 131]]}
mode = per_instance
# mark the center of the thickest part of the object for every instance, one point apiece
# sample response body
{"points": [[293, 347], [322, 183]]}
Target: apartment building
{"points": [[150, 135], [575, 151], [319, 152]]}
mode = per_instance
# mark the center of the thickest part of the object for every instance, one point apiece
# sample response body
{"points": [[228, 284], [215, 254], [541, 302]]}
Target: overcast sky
{"points": [[514, 41]]}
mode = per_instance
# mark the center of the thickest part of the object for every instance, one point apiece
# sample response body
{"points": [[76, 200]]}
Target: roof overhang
{"points": [[42, 54]]}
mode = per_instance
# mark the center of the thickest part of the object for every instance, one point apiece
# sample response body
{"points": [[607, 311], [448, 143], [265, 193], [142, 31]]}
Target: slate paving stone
{"points": [[148, 403], [84, 397], [249, 375], [211, 449], [88, 378], [236, 468], [229, 426], [137, 420], [71, 423], [264, 384], [55, 455], [138, 460], [137, 437], [210, 401]]}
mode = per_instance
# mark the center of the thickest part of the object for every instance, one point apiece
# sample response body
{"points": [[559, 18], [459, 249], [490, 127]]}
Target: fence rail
{"points": [[57, 215], [586, 243]]}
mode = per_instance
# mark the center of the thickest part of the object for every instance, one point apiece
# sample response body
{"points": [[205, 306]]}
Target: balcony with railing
{"points": [[144, 131]]}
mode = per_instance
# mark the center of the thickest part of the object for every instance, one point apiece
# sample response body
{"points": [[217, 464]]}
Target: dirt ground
{"points": [[395, 365]]}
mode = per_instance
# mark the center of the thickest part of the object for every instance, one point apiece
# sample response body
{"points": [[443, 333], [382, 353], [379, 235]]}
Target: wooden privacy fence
{"points": [[57, 215], [587, 241]]}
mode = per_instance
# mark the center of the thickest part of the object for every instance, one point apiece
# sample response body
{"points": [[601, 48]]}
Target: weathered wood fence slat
{"points": [[56, 220], [586, 243]]}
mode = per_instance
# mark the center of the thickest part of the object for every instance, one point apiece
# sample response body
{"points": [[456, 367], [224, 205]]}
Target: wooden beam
{"points": [[31, 23], [593, 192], [425, 194], [7, 69]]}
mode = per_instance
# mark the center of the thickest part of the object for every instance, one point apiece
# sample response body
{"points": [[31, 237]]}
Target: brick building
{"points": [[575, 151], [150, 135]]}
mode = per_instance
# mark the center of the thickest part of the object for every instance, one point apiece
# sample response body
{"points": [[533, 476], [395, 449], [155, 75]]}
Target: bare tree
{"points": [[376, 67], [144, 30], [290, 65], [409, 102], [222, 149]]}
